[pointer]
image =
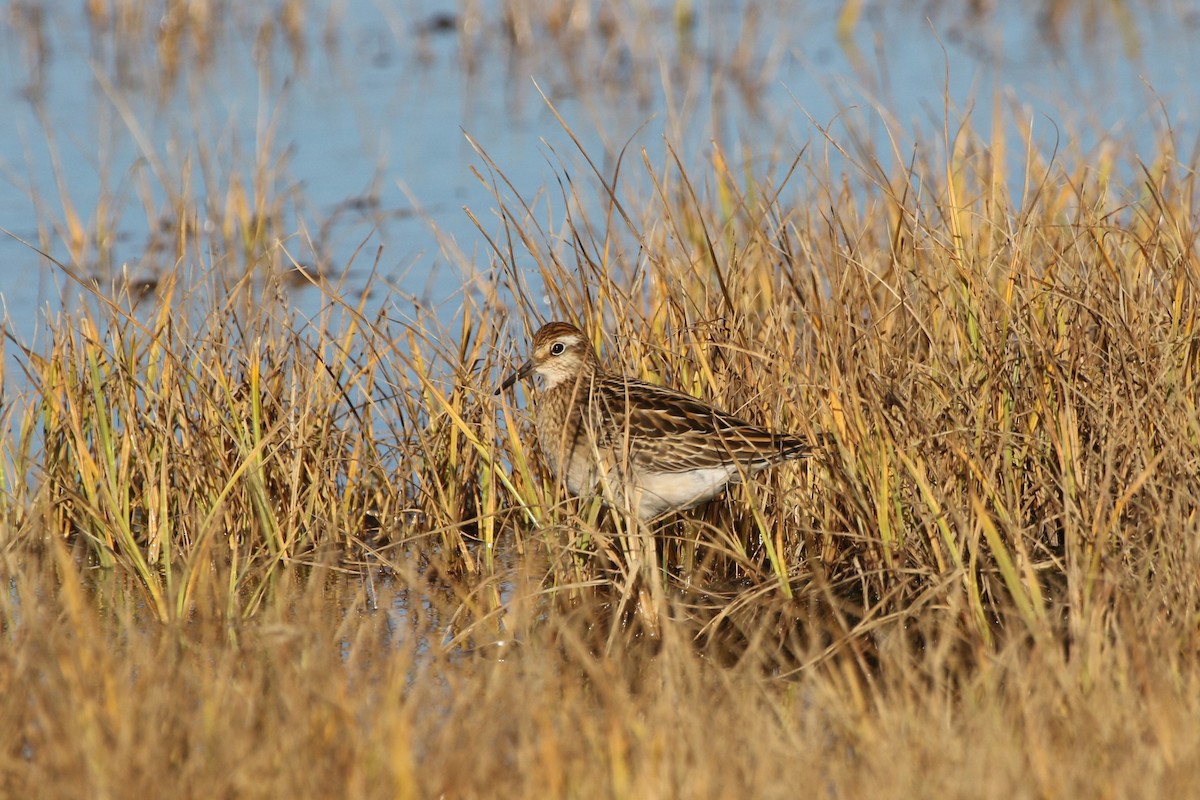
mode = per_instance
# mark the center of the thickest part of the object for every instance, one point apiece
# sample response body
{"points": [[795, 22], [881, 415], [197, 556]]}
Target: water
{"points": [[363, 112]]}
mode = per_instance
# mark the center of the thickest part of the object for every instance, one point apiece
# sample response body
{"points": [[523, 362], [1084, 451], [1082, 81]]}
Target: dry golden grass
{"points": [[247, 554], [251, 555]]}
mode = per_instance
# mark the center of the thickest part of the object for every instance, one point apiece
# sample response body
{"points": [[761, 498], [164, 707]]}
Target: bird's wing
{"points": [[675, 432]]}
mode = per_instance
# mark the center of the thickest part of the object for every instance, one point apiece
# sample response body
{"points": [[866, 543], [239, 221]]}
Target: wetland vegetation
{"points": [[257, 549]]}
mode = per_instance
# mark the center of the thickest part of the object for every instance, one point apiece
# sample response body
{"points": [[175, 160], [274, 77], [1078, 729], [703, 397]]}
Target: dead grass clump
{"points": [[290, 556], [316, 695]]}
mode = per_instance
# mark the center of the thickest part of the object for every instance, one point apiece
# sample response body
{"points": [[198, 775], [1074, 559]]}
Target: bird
{"points": [[644, 448]]}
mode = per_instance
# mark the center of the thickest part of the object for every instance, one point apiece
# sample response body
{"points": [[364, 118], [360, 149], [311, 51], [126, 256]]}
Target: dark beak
{"points": [[523, 372]]}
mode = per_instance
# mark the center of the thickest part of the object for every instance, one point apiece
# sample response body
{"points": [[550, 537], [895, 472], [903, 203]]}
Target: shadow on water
{"points": [[405, 600]]}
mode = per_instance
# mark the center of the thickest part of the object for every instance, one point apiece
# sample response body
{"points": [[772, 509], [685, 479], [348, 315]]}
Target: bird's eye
{"points": [[557, 349]]}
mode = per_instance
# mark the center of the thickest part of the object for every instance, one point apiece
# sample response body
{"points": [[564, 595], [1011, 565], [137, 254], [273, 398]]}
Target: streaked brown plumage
{"points": [[643, 447]]}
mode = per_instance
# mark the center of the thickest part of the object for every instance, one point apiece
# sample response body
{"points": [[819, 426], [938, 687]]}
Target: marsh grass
{"points": [[268, 554], [248, 553]]}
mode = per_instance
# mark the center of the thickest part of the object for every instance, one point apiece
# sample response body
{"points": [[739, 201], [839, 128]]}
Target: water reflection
{"points": [[271, 138]]}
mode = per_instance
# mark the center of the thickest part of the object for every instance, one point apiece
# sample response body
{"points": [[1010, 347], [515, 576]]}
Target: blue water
{"points": [[369, 121]]}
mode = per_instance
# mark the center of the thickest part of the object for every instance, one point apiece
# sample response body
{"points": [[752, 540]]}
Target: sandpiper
{"points": [[644, 448]]}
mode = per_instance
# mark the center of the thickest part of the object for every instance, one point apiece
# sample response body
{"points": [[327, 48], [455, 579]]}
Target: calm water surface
{"points": [[364, 113]]}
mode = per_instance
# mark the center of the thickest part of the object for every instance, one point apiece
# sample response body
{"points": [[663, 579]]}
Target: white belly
{"points": [[663, 492], [653, 494]]}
